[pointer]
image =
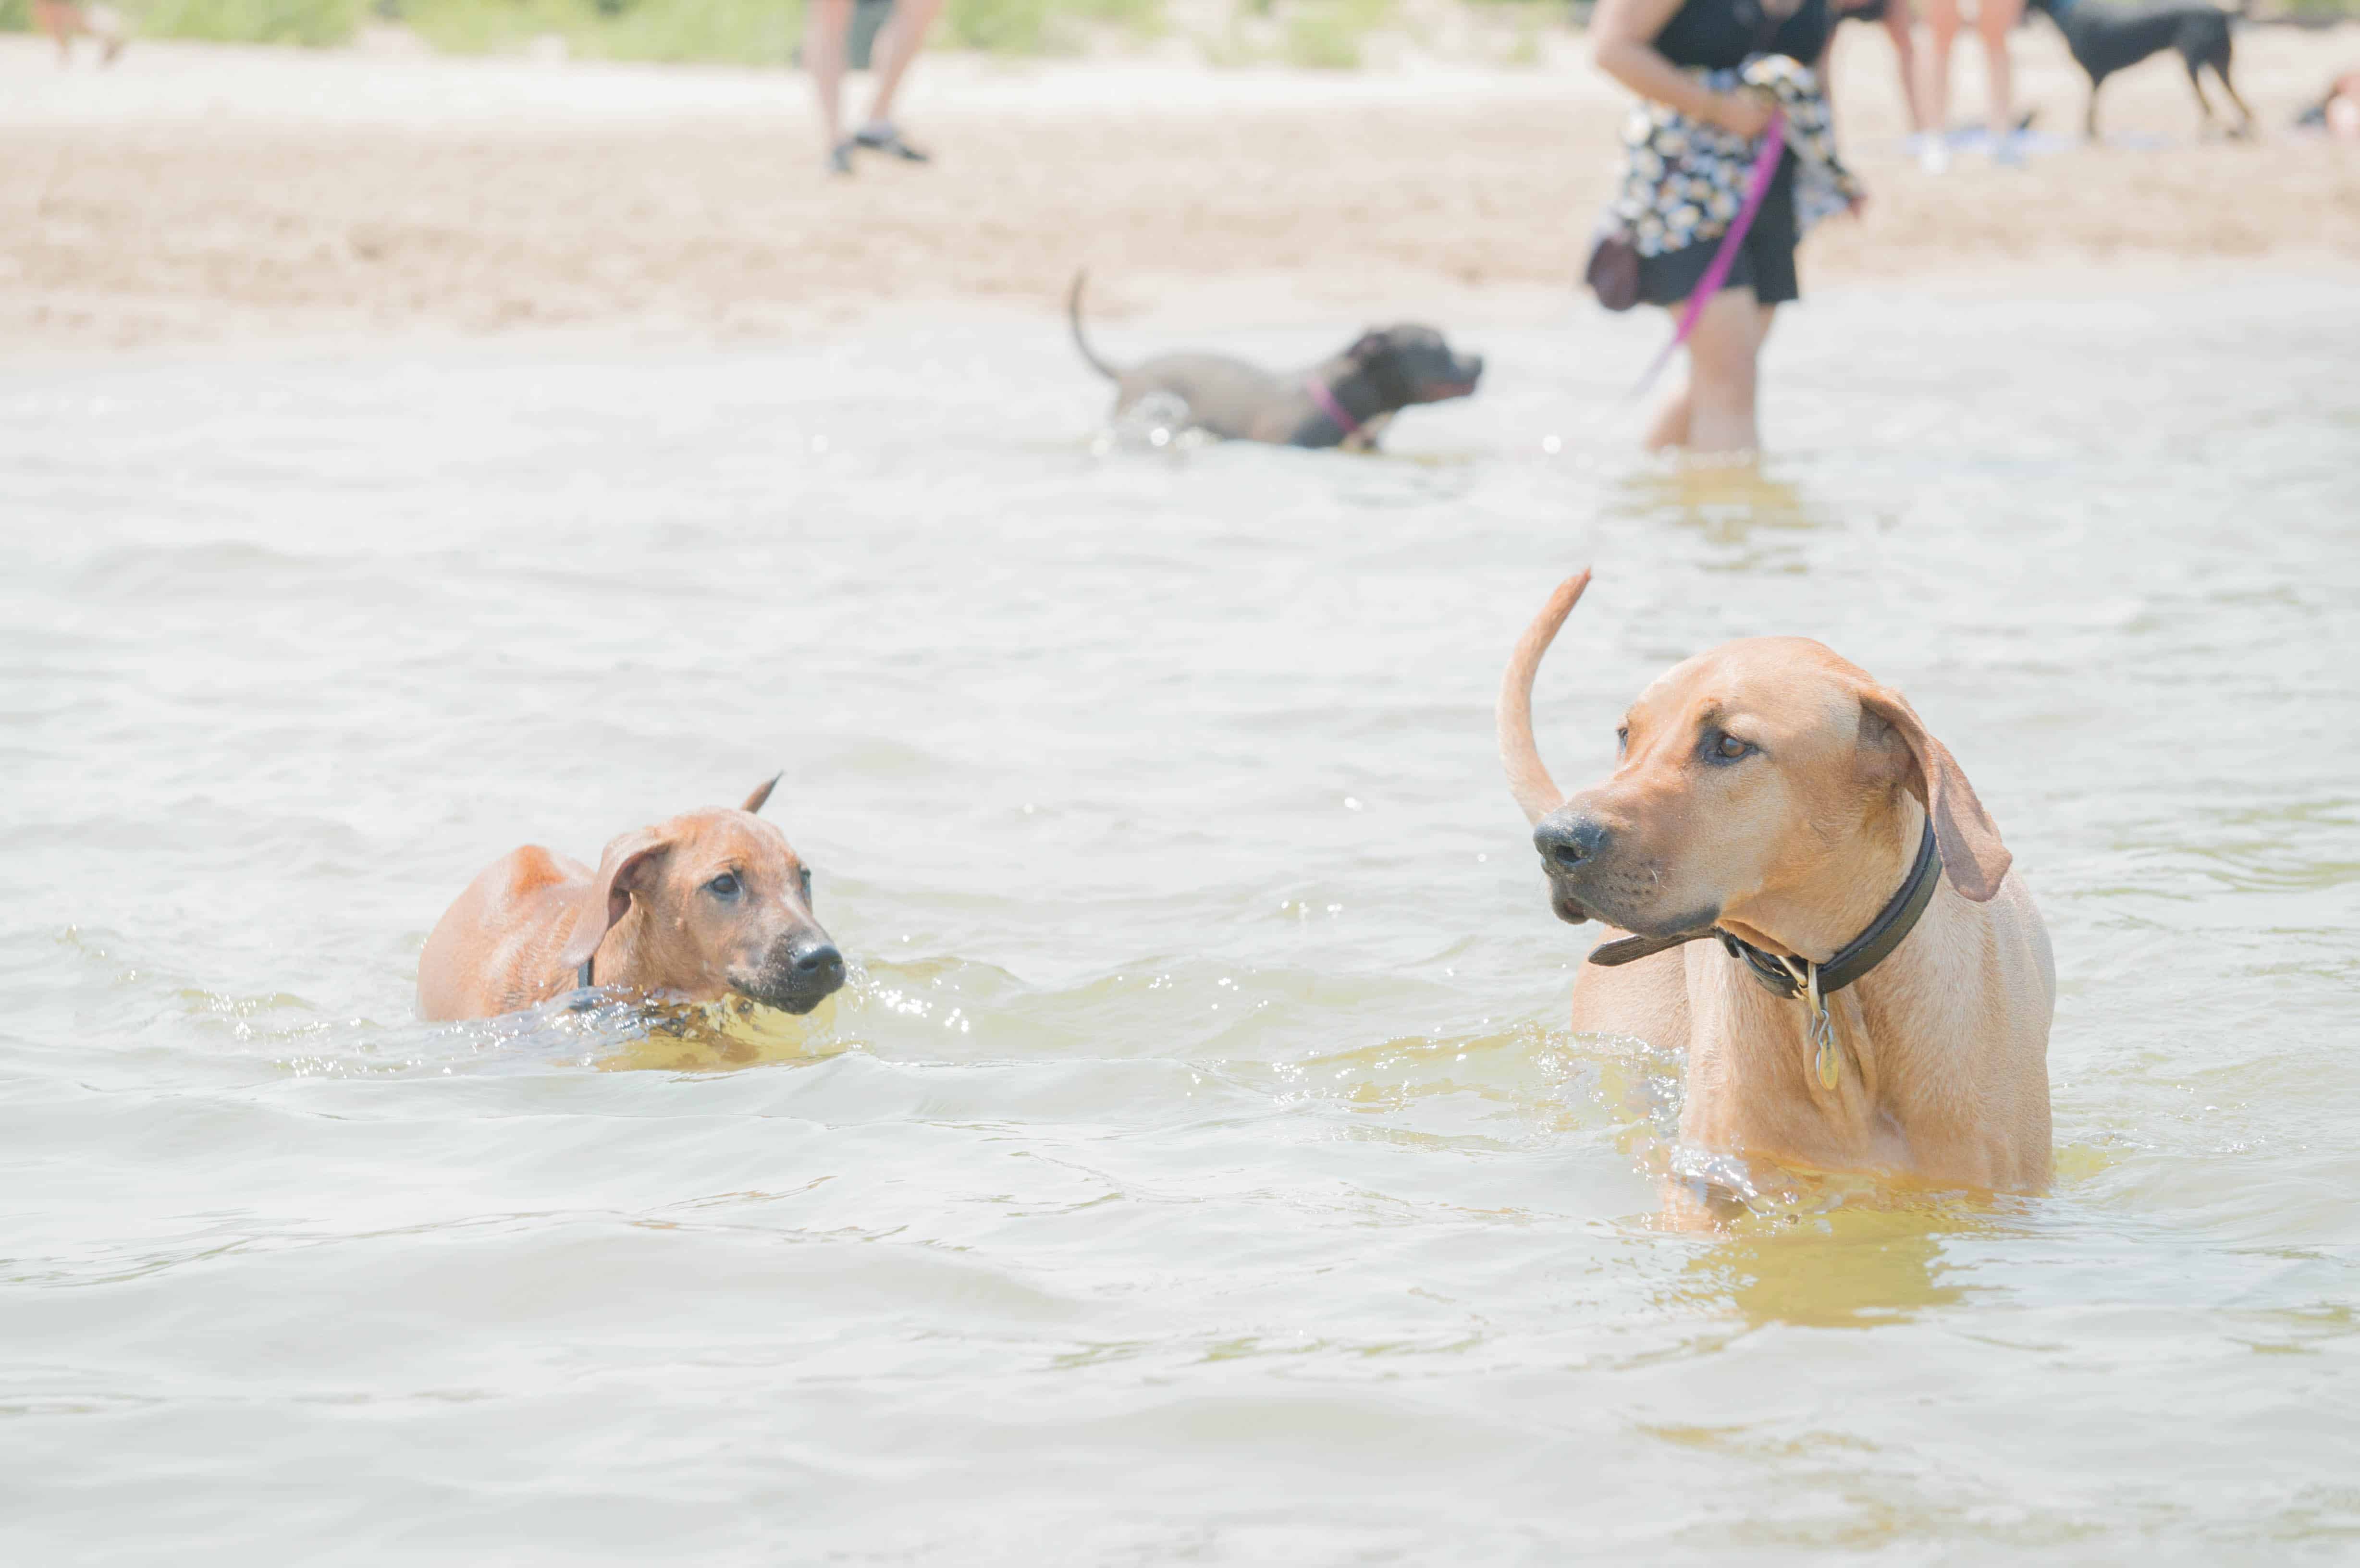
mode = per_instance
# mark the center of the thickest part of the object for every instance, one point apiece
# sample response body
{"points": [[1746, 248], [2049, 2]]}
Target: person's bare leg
{"points": [[897, 46], [1899, 26], [61, 22], [1669, 428], [825, 27], [1942, 32], [107, 24], [1993, 21], [1719, 401]]}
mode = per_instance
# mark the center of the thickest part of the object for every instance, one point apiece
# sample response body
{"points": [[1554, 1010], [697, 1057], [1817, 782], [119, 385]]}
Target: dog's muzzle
{"points": [[1569, 848], [800, 975], [1464, 374]]}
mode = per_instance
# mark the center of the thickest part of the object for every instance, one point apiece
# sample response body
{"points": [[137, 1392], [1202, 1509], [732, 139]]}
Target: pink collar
{"points": [[1325, 398]]}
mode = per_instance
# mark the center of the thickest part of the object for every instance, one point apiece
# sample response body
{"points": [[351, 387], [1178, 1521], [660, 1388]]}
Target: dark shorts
{"points": [[1764, 261]]}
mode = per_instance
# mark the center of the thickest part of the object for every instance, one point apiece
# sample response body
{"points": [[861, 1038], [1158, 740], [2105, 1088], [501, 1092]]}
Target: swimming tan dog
{"points": [[1347, 400], [690, 909], [1877, 990]]}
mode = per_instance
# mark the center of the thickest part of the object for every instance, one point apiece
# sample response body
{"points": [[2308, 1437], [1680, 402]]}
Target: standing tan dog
{"points": [[690, 909], [1875, 996]]}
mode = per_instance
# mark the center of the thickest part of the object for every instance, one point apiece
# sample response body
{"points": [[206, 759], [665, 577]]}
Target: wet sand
{"points": [[202, 194]]}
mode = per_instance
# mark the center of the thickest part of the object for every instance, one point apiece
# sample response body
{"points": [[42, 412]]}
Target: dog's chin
{"points": [[1573, 910], [1442, 391], [786, 1001]]}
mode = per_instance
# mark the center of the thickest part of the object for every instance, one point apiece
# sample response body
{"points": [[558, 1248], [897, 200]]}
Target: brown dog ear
{"points": [[754, 801], [609, 893], [1973, 855]]}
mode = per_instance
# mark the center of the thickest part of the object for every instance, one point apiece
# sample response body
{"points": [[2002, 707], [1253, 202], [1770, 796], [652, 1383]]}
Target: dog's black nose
{"points": [[1565, 845], [817, 967]]}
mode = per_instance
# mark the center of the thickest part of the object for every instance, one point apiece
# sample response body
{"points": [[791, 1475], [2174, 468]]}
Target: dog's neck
{"points": [[619, 962], [1814, 921], [1753, 1061], [1361, 390]]}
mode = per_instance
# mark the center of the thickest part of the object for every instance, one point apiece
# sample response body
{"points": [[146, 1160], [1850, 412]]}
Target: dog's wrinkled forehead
{"points": [[1778, 686], [712, 841]]}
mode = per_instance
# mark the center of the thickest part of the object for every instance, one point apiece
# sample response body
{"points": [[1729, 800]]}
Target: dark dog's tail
{"points": [[1073, 317]]}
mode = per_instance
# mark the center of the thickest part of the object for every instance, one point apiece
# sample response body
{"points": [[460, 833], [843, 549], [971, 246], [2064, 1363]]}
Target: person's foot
{"points": [[839, 157], [883, 135], [1932, 153]]}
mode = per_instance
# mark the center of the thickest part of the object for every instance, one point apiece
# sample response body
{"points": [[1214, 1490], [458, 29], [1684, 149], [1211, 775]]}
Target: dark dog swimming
{"points": [[1346, 400]]}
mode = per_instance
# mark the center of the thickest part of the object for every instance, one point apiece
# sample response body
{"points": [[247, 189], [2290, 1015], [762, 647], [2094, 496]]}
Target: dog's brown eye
{"points": [[725, 886], [807, 873], [1731, 747], [1623, 738]]}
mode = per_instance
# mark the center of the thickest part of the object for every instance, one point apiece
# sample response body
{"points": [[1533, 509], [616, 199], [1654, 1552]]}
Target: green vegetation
{"points": [[1044, 27], [317, 23], [1326, 34], [747, 32]]}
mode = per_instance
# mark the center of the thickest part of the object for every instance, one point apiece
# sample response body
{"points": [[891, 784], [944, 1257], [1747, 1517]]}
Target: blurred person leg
{"points": [[1901, 27], [826, 24], [896, 44], [1714, 413], [61, 22], [1993, 19], [1934, 91], [65, 21], [2343, 116]]}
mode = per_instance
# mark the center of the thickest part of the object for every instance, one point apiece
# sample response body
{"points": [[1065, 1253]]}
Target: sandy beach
{"points": [[202, 194]]}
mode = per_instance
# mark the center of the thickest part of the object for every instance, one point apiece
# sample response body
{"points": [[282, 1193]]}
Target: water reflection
{"points": [[720, 1037], [1866, 1263], [1727, 504]]}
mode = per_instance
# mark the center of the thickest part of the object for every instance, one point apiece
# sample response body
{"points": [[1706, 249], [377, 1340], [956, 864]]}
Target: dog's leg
{"points": [[2245, 115], [2197, 83]]}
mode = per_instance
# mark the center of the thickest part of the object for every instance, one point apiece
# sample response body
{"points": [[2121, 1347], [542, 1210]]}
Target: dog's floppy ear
{"points": [[1369, 345], [754, 801], [624, 864], [1973, 855]]}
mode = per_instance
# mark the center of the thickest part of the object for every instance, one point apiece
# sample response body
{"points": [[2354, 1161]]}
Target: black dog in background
{"points": [[2104, 39]]}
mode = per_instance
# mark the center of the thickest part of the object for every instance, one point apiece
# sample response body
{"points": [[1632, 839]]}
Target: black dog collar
{"points": [[1854, 959]]}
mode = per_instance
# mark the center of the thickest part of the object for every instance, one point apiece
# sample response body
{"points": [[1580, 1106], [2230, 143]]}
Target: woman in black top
{"points": [[1645, 44]]}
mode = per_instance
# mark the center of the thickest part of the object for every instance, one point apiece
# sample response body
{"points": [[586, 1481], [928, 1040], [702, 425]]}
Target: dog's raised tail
{"points": [[1074, 319], [1528, 777]]}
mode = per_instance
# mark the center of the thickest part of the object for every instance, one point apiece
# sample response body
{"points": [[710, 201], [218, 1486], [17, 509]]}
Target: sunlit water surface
{"points": [[1197, 1167]]}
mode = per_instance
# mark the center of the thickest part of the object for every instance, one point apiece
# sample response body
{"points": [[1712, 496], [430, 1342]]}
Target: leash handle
{"points": [[1757, 191]]}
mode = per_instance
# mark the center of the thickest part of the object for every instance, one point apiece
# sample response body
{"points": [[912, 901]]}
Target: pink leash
{"points": [[1756, 190]]}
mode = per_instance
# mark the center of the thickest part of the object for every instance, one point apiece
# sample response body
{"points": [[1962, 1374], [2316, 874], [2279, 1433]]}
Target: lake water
{"points": [[1197, 1166]]}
